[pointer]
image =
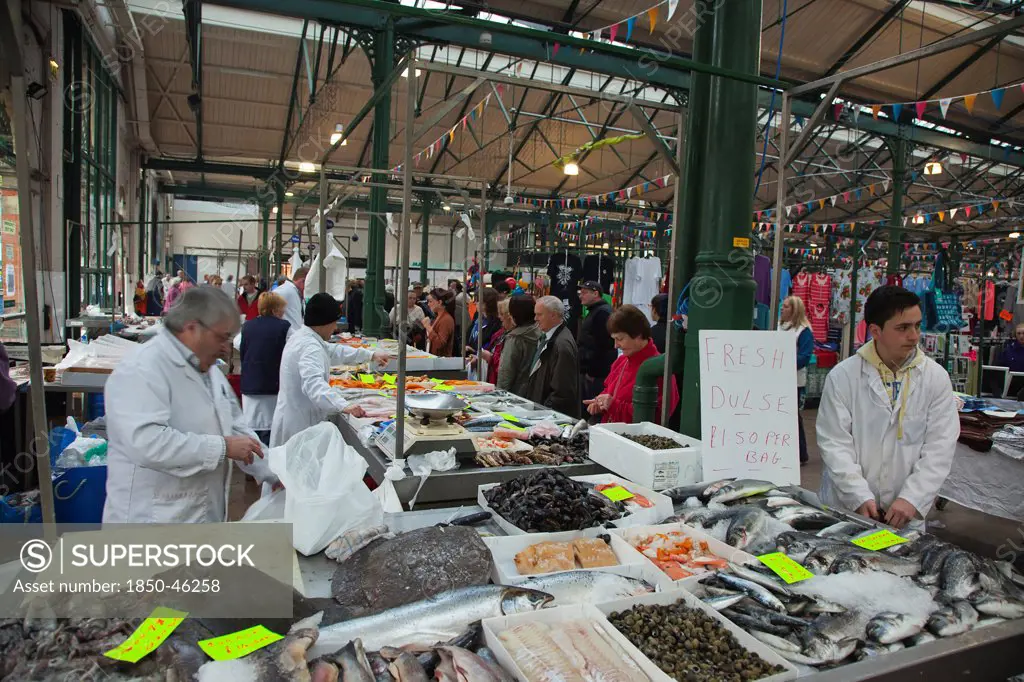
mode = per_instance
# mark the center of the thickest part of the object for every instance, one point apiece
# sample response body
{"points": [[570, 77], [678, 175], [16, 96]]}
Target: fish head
{"points": [[849, 563], [522, 600], [323, 670]]}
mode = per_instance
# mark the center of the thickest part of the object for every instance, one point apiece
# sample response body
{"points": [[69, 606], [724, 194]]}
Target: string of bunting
{"points": [[589, 200], [438, 145], [920, 106], [622, 30]]}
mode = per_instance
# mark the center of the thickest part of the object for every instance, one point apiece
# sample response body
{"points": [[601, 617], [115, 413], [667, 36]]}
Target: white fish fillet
{"points": [[537, 655], [599, 665]]}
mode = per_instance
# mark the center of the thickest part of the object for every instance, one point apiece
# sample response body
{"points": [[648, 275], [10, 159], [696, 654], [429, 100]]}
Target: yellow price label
{"points": [[390, 379], [238, 644], [617, 494], [442, 387], [741, 242], [879, 540], [784, 567], [367, 379], [148, 636], [511, 427], [509, 417]]}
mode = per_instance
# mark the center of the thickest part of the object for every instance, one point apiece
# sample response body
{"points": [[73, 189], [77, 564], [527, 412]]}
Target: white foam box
{"points": [[504, 550], [656, 469], [493, 627], [737, 556], [662, 505], [663, 598]]}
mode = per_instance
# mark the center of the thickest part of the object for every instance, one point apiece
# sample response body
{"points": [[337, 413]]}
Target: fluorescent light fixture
{"points": [[274, 210], [289, 194], [339, 130], [307, 167], [571, 168], [605, 245], [1014, 235], [933, 168], [445, 206]]}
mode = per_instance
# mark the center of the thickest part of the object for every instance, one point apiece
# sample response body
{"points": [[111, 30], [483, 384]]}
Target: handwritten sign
{"points": [[238, 644], [784, 567], [617, 494], [148, 636], [367, 378], [390, 379], [741, 243], [748, 405], [879, 540]]}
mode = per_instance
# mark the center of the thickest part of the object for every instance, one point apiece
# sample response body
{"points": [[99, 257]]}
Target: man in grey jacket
{"points": [[554, 371]]}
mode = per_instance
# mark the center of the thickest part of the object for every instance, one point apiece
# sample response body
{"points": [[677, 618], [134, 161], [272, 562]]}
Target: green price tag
{"points": [[879, 540], [442, 387], [784, 567], [509, 417], [511, 427], [390, 379], [238, 644], [617, 494], [437, 381], [367, 379], [148, 636]]}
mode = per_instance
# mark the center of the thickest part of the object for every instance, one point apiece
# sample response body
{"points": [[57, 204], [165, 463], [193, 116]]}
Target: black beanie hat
{"points": [[321, 309]]}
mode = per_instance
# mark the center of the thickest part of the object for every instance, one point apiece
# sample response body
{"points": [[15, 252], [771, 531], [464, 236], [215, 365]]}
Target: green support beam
{"points": [[723, 123], [280, 231], [900, 153], [265, 258], [428, 204]]}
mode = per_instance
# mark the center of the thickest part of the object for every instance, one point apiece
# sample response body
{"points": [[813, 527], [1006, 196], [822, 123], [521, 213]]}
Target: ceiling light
{"points": [[339, 130], [274, 210], [571, 168], [446, 206], [289, 194], [405, 74], [307, 167], [606, 245], [1014, 235], [933, 168]]}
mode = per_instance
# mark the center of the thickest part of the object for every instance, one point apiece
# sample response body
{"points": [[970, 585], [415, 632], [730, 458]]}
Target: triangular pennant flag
{"points": [[672, 4], [944, 105], [846, 197], [857, 193], [995, 205], [871, 190], [856, 114], [837, 110], [613, 31], [997, 97], [969, 103], [788, 210], [833, 199], [630, 24], [555, 49], [875, 108], [885, 186], [952, 213], [799, 209], [652, 16], [821, 204], [967, 211], [981, 208], [963, 158], [897, 109], [919, 107], [629, 192], [942, 216]]}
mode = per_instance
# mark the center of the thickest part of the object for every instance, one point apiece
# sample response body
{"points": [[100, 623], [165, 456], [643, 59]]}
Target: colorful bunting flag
{"points": [[944, 105], [672, 4], [952, 213], [969, 103], [613, 31], [897, 109], [837, 110], [919, 107], [652, 16], [997, 97], [630, 24], [875, 108]]}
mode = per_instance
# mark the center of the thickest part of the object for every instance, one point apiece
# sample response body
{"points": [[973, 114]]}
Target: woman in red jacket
{"points": [[632, 334]]}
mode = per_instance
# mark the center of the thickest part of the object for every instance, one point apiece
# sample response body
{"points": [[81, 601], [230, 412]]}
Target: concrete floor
{"points": [[986, 535]]}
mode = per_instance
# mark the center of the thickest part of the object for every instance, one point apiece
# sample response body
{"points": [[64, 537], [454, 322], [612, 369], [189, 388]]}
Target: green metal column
{"points": [[899, 177], [280, 231], [265, 257], [143, 242], [720, 187], [373, 298], [428, 203]]}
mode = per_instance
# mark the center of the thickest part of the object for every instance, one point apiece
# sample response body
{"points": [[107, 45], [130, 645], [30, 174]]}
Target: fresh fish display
{"points": [[804, 518], [406, 668], [921, 638], [954, 619], [568, 652], [820, 651], [282, 661], [458, 664], [875, 561], [744, 487], [587, 587], [688, 644], [888, 628], [546, 501], [720, 602], [426, 622], [842, 529], [760, 594], [959, 576]]}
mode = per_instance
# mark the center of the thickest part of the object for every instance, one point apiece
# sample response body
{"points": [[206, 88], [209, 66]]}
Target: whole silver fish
{"points": [[749, 623], [755, 591], [889, 628], [920, 638], [861, 561], [821, 558], [804, 518], [821, 651], [959, 578], [842, 530], [429, 621], [752, 608], [721, 602], [933, 559], [798, 545], [999, 605], [744, 487], [766, 581], [588, 587], [878, 650], [748, 527], [957, 618], [779, 644], [836, 627]]}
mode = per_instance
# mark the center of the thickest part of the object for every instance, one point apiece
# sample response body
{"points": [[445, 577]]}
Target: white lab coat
{"points": [[293, 297], [166, 453], [857, 435], [306, 397]]}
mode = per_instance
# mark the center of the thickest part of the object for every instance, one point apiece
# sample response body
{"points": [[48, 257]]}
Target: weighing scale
{"points": [[431, 426]]}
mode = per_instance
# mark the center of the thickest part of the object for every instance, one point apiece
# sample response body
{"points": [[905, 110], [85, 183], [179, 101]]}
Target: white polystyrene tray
{"points": [[662, 505], [504, 550], [657, 469], [737, 556], [745, 640], [493, 627]]}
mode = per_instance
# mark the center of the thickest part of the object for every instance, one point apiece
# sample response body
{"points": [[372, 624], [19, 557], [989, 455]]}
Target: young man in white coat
{"points": [[887, 423], [174, 423], [291, 291], [305, 397]]}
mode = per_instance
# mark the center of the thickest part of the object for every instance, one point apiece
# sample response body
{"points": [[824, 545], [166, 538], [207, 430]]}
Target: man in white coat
{"points": [[305, 397], [174, 423], [887, 423], [291, 291]]}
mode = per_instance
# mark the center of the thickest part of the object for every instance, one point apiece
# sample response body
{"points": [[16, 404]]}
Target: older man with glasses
{"points": [[174, 423]]}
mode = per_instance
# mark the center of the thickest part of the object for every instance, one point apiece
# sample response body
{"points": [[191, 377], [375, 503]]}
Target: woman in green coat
{"points": [[520, 345]]}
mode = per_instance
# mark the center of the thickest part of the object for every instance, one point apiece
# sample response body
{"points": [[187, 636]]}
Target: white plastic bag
{"points": [[386, 492], [267, 508], [323, 479]]}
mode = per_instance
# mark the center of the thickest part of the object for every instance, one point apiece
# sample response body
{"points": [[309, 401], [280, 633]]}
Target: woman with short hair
{"points": [[520, 344], [632, 335], [262, 345]]}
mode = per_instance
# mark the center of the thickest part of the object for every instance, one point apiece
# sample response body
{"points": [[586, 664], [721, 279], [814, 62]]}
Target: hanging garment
{"points": [[642, 282], [894, 280], [763, 280], [989, 302], [802, 286], [818, 306], [566, 272], [600, 268]]}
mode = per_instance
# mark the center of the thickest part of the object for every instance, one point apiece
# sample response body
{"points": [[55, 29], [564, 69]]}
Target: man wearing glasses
{"points": [[174, 423]]}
